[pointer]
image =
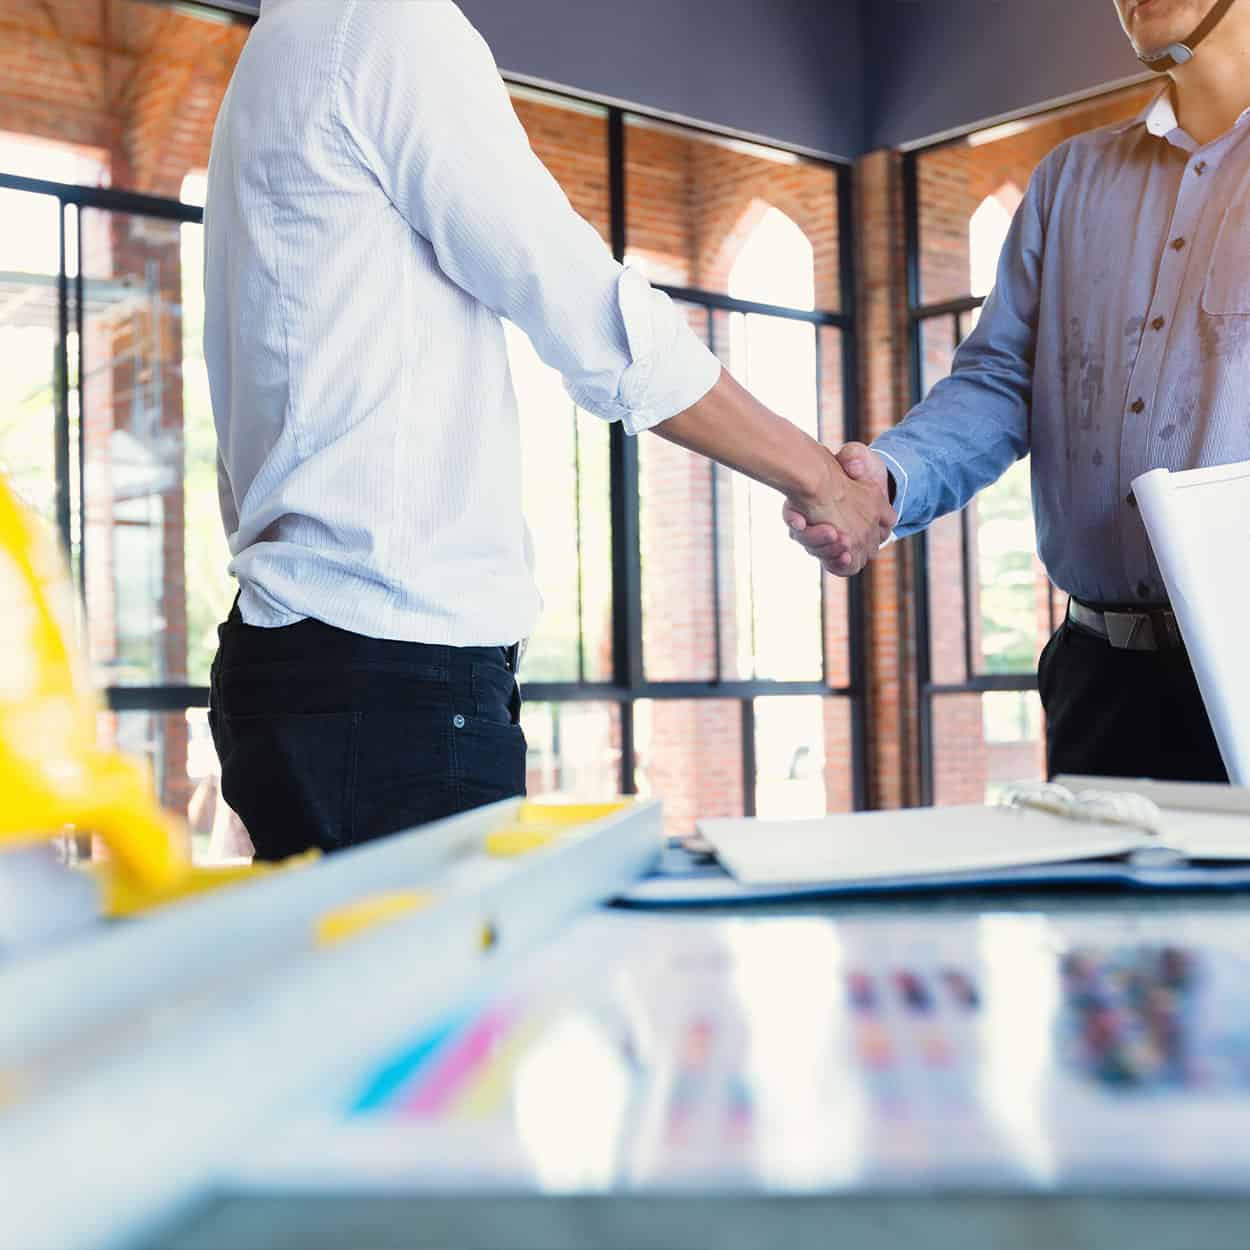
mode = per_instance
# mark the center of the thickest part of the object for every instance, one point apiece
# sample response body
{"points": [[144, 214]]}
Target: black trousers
{"points": [[1113, 713], [328, 739]]}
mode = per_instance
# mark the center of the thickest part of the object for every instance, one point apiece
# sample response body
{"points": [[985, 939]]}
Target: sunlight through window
{"points": [[776, 265], [987, 232]]}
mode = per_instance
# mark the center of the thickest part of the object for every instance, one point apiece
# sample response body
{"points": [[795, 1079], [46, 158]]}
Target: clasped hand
{"points": [[845, 527]]}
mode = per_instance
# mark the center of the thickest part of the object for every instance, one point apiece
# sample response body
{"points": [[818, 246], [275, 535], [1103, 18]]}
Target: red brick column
{"points": [[893, 699]]}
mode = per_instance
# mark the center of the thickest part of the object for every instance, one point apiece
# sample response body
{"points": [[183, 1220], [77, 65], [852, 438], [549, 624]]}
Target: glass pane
{"points": [[1013, 620], [689, 754], [1058, 607], [969, 190], [156, 557], [840, 762], [177, 749], [574, 749], [833, 416], [735, 218], [770, 588], [595, 529], [678, 503], [948, 657], [145, 79], [571, 139], [1011, 612], [134, 533], [983, 742], [938, 341], [29, 270], [803, 757], [945, 558], [210, 589], [568, 508], [833, 431]]}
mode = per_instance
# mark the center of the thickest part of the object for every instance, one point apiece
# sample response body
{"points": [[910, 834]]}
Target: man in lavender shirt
{"points": [[1116, 340]]}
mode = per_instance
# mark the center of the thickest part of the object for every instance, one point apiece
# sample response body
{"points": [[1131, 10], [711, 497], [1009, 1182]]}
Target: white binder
{"points": [[1199, 526]]}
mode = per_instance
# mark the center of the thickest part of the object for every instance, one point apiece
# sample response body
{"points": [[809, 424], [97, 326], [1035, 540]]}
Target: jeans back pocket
{"points": [[290, 776]]}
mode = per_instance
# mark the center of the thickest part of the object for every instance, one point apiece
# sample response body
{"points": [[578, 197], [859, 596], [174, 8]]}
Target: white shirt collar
{"points": [[1159, 117]]}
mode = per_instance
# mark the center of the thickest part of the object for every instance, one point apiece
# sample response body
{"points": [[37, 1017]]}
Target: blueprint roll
{"points": [[1197, 522]]}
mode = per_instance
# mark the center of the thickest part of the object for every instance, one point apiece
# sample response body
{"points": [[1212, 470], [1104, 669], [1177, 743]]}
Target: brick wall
{"points": [[142, 82], [893, 698]]}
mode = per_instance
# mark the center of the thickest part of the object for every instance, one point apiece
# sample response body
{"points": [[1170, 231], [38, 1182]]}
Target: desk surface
{"points": [[988, 1070]]}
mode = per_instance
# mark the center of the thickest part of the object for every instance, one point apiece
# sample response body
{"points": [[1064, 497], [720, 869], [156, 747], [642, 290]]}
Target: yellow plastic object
{"points": [[124, 896], [520, 839], [567, 814], [539, 824], [355, 918], [53, 775]]}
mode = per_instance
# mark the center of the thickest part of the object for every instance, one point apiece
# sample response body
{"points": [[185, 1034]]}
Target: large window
{"points": [[986, 605], [107, 432], [687, 648]]}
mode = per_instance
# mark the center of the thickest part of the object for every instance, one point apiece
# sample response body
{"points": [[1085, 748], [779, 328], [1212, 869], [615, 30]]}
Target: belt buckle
{"points": [[1131, 631]]}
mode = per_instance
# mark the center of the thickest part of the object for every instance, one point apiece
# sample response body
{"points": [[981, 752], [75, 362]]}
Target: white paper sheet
{"points": [[1199, 526], [870, 845], [1199, 823]]}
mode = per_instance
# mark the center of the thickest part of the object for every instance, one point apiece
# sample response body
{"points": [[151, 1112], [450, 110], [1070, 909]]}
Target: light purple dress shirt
{"points": [[1116, 340]]}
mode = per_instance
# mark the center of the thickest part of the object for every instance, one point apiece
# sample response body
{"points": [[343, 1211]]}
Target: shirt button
{"points": [[1143, 591], [458, 721], [1138, 405], [1200, 168], [1158, 323], [1178, 245]]}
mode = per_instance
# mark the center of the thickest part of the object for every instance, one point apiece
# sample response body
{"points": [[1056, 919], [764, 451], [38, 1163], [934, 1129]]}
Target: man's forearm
{"points": [[729, 425], [941, 456]]}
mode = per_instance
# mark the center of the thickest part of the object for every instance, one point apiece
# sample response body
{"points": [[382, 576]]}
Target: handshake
{"points": [[845, 525]]}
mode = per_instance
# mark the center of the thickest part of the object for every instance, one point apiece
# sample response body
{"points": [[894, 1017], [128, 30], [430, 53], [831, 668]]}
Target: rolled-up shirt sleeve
{"points": [[421, 100], [974, 425]]}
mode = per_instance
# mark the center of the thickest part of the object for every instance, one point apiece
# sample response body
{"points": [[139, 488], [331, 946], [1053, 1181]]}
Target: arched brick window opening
{"points": [[739, 243], [776, 262], [776, 360], [987, 232], [776, 611]]}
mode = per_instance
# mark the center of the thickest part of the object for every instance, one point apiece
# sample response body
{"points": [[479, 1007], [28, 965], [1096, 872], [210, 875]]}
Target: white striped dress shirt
{"points": [[374, 209]]}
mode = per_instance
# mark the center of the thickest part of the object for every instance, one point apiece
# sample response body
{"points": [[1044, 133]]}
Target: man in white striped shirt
{"points": [[373, 210]]}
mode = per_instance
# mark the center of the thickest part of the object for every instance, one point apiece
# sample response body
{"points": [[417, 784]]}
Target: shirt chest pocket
{"points": [[1226, 292]]}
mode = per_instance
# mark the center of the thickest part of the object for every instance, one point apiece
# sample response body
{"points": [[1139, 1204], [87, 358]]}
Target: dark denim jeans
{"points": [[328, 739]]}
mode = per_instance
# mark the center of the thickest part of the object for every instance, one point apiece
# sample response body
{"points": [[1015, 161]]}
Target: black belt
{"points": [[1151, 629]]}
